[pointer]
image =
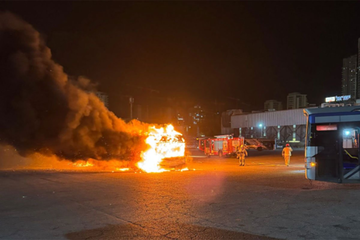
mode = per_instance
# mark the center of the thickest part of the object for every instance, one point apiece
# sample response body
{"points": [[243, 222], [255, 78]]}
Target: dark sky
{"points": [[252, 51]]}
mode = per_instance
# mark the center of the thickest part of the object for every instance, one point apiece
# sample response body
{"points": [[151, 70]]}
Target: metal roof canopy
{"points": [[267, 119]]}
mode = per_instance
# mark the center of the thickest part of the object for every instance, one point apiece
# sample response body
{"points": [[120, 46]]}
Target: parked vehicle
{"points": [[253, 143]]}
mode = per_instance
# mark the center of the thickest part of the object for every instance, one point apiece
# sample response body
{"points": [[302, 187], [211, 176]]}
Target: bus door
{"points": [[327, 157], [350, 152]]}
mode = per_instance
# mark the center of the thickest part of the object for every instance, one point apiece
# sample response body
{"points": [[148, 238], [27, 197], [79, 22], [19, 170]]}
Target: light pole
{"points": [[260, 126], [131, 101]]}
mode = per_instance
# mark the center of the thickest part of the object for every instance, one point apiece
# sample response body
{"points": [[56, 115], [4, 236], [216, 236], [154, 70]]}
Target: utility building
{"points": [[285, 126]]}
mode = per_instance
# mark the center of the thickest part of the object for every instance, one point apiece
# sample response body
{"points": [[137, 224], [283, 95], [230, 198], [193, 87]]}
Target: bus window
{"points": [[350, 138]]}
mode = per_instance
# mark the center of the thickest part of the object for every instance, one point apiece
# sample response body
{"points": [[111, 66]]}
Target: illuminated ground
{"points": [[220, 200]]}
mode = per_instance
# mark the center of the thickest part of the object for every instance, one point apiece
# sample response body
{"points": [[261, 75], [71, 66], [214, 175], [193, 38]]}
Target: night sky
{"points": [[200, 51]]}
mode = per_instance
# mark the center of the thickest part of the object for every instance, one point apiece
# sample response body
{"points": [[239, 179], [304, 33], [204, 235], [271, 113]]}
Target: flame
{"points": [[111, 165], [166, 153], [83, 164], [164, 143], [122, 169]]}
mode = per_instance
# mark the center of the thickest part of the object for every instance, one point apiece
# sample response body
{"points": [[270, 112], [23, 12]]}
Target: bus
{"points": [[332, 144]]}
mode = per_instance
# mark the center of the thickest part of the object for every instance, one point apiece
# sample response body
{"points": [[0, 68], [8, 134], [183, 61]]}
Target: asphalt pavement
{"points": [[216, 199]]}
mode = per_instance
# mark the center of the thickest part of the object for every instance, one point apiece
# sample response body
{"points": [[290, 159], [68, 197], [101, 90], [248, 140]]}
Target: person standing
{"points": [[241, 154], [286, 153]]}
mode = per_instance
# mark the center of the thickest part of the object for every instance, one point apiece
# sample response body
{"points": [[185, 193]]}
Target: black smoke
{"points": [[42, 110]]}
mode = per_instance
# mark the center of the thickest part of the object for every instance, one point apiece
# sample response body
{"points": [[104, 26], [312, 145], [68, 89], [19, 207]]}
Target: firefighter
{"points": [[286, 153], [241, 153]]}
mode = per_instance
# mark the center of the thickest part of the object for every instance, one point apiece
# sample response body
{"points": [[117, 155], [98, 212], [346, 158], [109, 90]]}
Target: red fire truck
{"points": [[221, 145]]}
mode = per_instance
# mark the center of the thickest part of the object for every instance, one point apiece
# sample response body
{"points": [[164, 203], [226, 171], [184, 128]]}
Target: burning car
{"points": [[177, 143], [166, 150]]}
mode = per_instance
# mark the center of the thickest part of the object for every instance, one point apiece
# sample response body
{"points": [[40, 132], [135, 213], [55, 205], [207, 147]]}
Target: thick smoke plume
{"points": [[41, 110]]}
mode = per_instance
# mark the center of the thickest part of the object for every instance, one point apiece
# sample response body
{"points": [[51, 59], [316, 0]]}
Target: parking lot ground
{"points": [[216, 199]]}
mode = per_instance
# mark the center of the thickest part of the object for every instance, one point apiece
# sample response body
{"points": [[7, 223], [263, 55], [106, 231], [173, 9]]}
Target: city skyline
{"points": [[200, 51]]}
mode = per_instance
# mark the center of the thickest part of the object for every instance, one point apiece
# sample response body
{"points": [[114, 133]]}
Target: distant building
{"points": [[271, 105], [350, 84], [104, 98], [196, 115], [226, 120], [296, 100], [169, 115], [141, 112]]}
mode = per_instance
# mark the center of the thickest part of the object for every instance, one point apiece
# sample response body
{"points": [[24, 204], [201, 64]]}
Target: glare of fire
{"points": [[83, 164], [122, 169], [164, 143]]}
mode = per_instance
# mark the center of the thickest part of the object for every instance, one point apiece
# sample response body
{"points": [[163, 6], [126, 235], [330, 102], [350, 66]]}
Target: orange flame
{"points": [[164, 143], [122, 169], [83, 164]]}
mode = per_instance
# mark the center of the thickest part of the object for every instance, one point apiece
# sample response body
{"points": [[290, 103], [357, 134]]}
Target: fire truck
{"points": [[221, 145]]}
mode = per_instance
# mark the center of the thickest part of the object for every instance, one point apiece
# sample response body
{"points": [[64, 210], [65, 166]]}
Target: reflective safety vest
{"points": [[287, 151]]}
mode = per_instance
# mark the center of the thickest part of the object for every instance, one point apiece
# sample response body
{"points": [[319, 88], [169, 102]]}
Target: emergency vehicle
{"points": [[221, 145]]}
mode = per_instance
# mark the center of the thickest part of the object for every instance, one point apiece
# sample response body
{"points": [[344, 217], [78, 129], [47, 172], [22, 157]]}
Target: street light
{"points": [[131, 101], [260, 126]]}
